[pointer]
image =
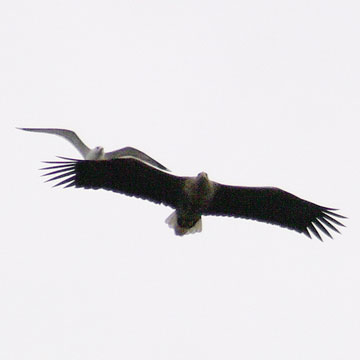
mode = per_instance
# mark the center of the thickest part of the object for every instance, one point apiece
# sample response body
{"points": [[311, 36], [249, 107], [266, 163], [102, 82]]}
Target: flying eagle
{"points": [[192, 197], [96, 153]]}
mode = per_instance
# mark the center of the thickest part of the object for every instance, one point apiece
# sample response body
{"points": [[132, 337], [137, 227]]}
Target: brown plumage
{"points": [[192, 197]]}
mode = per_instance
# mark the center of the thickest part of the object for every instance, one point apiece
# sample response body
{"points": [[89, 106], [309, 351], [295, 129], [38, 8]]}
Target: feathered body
{"points": [[97, 153], [192, 197]]}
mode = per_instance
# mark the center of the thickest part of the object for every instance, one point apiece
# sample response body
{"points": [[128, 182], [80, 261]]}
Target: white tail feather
{"points": [[171, 220]]}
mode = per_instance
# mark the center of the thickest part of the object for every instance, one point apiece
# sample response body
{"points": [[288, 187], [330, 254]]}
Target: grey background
{"points": [[253, 93]]}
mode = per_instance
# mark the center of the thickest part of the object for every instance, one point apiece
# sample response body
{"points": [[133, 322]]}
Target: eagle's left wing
{"points": [[274, 206]]}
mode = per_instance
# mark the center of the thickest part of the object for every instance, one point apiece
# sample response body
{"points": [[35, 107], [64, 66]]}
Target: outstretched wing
{"points": [[125, 175], [69, 135], [274, 206], [130, 151]]}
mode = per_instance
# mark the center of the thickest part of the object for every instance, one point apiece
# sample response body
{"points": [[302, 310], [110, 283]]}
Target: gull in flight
{"points": [[192, 197], [97, 153]]}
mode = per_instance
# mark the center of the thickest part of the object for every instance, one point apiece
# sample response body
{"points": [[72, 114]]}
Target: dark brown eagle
{"points": [[192, 197]]}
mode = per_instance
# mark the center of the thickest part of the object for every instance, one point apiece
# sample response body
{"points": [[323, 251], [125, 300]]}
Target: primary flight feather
{"points": [[192, 197]]}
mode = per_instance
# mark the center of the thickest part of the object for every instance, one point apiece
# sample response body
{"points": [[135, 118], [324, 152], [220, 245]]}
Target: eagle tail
{"points": [[173, 223]]}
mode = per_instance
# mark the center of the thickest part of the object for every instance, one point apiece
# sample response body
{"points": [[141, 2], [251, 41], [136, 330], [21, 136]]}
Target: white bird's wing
{"points": [[135, 153], [69, 135]]}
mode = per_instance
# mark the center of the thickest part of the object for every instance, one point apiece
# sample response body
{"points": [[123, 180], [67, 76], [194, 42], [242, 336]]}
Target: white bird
{"points": [[97, 153], [192, 197]]}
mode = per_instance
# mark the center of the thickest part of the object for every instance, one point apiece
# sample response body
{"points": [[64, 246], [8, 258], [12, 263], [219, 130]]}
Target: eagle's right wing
{"points": [[125, 175]]}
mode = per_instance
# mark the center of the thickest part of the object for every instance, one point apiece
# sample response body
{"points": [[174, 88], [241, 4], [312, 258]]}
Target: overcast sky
{"points": [[254, 93]]}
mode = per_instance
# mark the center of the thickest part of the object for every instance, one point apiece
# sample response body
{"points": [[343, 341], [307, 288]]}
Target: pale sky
{"points": [[258, 93]]}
